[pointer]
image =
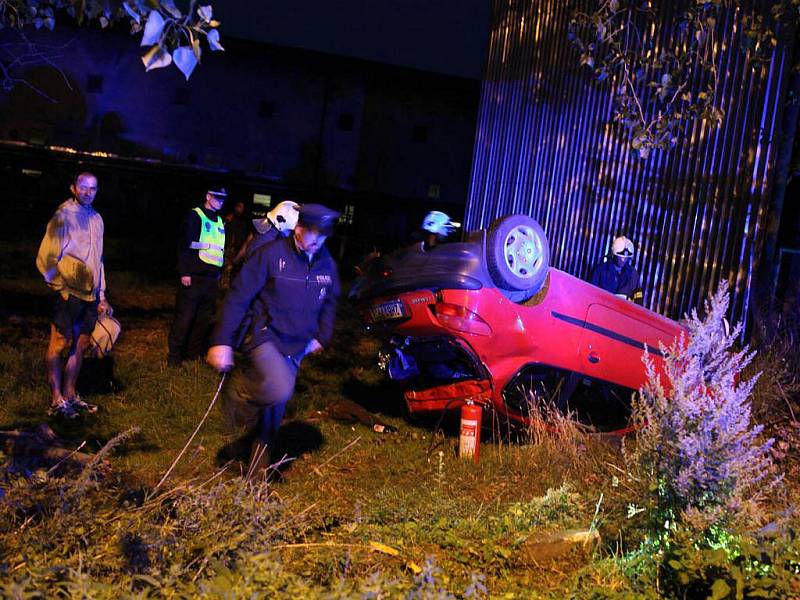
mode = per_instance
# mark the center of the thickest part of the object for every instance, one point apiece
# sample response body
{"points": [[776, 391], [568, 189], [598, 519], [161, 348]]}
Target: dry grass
{"points": [[357, 512]]}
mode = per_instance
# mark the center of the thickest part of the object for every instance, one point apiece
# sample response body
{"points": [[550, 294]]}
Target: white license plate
{"points": [[387, 311]]}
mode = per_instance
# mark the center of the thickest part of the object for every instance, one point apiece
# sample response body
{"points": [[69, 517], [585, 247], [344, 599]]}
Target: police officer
{"points": [[616, 273], [201, 250], [291, 286]]}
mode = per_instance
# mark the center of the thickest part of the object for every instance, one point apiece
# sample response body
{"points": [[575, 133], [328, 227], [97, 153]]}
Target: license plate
{"points": [[387, 311]]}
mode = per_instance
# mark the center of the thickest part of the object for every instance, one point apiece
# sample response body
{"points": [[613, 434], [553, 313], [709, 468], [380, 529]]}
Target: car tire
{"points": [[517, 253]]}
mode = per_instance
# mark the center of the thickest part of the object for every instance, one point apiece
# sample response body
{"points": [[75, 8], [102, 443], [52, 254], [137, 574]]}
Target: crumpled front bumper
{"points": [[449, 396]]}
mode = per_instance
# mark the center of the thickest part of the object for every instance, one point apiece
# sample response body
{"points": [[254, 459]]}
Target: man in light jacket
{"points": [[71, 260]]}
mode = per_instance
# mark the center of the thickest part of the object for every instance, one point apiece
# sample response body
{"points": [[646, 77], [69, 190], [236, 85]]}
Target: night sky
{"points": [[444, 36]]}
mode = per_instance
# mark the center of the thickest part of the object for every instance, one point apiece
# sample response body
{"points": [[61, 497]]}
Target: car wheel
{"points": [[517, 253]]}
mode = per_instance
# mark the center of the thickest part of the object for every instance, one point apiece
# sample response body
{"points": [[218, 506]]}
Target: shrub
{"points": [[702, 458]]}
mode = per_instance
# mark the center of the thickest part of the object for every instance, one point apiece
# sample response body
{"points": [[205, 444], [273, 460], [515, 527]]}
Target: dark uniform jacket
{"points": [[261, 239], [292, 300], [623, 281], [189, 262]]}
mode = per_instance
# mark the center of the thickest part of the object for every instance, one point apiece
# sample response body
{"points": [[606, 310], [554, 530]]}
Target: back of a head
{"points": [[284, 215], [438, 222]]}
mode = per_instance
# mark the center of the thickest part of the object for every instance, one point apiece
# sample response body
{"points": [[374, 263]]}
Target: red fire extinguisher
{"points": [[469, 440]]}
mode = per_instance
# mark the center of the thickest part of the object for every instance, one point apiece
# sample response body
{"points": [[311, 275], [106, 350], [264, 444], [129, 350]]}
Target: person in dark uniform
{"points": [[291, 287], [616, 273], [200, 257], [281, 220]]}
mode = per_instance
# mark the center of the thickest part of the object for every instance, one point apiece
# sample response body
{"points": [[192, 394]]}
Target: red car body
{"points": [[466, 339]]}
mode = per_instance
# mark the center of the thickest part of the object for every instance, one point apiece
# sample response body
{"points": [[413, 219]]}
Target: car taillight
{"points": [[458, 318]]}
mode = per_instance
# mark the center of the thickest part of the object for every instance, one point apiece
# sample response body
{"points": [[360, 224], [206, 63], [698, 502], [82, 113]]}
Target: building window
{"points": [[348, 214], [181, 97], [420, 134], [346, 122], [94, 84], [266, 109], [434, 191]]}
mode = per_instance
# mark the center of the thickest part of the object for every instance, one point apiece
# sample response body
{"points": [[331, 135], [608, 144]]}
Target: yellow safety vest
{"points": [[212, 240]]}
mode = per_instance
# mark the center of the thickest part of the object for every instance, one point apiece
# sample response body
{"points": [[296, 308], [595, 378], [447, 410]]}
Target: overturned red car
{"points": [[488, 320]]}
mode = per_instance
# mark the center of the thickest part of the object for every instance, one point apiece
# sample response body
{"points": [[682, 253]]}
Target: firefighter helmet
{"points": [[284, 215], [622, 247], [438, 222]]}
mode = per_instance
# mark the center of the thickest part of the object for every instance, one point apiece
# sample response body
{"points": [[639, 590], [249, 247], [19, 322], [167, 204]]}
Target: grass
{"points": [[358, 514]]}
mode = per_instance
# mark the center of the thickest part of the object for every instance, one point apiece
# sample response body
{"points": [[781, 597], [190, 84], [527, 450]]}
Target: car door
{"points": [[613, 342]]}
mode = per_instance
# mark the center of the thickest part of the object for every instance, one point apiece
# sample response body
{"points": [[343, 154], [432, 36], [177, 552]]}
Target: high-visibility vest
{"points": [[212, 240]]}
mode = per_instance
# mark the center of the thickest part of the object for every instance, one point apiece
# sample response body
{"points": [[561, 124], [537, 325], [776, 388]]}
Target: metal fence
{"points": [[546, 146]]}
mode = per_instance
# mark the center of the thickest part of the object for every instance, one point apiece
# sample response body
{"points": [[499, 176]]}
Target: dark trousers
{"points": [[194, 309], [256, 396]]}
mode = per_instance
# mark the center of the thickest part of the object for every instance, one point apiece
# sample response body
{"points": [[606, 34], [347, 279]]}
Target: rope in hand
{"points": [[194, 433]]}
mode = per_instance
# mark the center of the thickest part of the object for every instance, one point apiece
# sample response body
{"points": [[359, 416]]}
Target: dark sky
{"points": [[444, 36]]}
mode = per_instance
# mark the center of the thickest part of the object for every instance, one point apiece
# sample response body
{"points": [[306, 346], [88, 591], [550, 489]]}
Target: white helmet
{"points": [[622, 247], [438, 222], [284, 215]]}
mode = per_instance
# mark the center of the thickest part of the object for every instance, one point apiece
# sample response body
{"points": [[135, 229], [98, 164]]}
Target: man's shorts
{"points": [[74, 315]]}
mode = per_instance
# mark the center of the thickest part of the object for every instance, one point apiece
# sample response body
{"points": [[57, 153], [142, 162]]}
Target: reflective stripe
{"points": [[204, 246], [211, 244]]}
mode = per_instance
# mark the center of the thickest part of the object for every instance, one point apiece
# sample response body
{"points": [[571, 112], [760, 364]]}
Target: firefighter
{"points": [[201, 250], [281, 220], [436, 226], [291, 287], [616, 273]]}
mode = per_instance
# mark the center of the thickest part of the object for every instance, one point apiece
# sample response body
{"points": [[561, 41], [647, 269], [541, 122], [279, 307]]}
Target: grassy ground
{"points": [[357, 514]]}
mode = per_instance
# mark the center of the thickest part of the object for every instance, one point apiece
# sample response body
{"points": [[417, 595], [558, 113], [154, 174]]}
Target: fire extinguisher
{"points": [[469, 440]]}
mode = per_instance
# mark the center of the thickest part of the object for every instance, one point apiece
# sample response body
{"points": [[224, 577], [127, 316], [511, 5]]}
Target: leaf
{"points": [[205, 13], [384, 548], [131, 13], [720, 589], [213, 40], [169, 6], [153, 29], [156, 58], [196, 48], [185, 60], [413, 567]]}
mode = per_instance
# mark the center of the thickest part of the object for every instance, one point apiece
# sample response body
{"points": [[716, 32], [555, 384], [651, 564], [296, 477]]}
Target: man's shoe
{"points": [[79, 405], [62, 411]]}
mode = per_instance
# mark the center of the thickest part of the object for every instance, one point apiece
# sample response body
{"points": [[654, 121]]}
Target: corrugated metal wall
{"points": [[546, 146]]}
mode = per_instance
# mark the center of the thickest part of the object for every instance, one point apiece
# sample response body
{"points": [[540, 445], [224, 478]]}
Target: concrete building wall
{"points": [[303, 120]]}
